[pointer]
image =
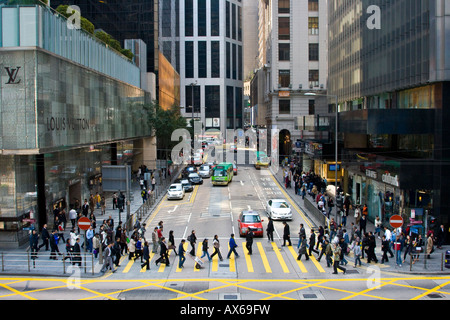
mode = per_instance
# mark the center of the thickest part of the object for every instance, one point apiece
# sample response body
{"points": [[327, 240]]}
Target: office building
{"points": [[68, 105], [202, 39], [389, 66], [292, 60]]}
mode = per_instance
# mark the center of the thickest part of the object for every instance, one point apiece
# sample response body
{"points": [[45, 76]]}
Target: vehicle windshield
{"points": [[204, 168], [193, 175], [175, 188], [280, 204], [251, 218], [220, 173]]}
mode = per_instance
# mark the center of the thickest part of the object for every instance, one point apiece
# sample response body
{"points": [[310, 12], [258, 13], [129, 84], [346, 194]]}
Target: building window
{"points": [[284, 78], [313, 25], [284, 32], [202, 71], [188, 95], [189, 59], [284, 6], [313, 78], [313, 52], [189, 18], [234, 62], [240, 66], [313, 5], [233, 21], [212, 96], [312, 107], [285, 106], [227, 19], [215, 18], [201, 18], [215, 59], [239, 22], [284, 51], [228, 57]]}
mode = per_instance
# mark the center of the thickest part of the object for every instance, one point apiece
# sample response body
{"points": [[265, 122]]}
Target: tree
{"points": [[85, 24], [163, 122]]}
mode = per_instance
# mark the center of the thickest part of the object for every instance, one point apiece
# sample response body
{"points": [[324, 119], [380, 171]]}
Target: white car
{"points": [[278, 209], [176, 191], [198, 161], [205, 171]]}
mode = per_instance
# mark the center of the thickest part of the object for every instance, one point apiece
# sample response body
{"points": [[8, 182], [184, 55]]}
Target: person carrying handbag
{"points": [[216, 245]]}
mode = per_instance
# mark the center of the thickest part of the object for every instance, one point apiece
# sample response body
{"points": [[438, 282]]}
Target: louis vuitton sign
{"points": [[12, 73]]}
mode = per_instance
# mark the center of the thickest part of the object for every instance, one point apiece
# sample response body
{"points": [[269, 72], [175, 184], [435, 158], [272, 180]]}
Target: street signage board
{"points": [[84, 223], [396, 221]]}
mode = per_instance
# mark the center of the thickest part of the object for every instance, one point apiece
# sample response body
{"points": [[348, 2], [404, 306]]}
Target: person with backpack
{"points": [[192, 240], [336, 258]]}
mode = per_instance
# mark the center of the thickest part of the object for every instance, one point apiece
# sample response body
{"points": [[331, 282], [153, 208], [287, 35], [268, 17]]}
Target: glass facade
{"points": [[122, 20]]}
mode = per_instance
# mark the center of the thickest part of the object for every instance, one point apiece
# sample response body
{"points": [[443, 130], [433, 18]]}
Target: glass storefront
{"points": [[65, 117]]}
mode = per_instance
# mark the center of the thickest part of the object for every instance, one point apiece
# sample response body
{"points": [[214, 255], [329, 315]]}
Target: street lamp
{"points": [[335, 141]]}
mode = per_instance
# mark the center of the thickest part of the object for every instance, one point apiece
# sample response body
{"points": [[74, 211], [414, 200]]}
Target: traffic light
{"points": [[431, 223]]}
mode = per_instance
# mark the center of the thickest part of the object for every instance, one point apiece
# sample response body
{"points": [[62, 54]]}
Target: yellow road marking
{"points": [[288, 198], [264, 258], [299, 262], [248, 260], [199, 254], [280, 257], [232, 262]]}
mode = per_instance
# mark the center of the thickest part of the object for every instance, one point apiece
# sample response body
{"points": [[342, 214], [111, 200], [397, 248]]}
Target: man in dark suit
{"points": [[163, 253], [181, 253], [77, 252], [45, 237], [270, 230], [85, 208], [286, 235], [249, 239], [146, 256]]}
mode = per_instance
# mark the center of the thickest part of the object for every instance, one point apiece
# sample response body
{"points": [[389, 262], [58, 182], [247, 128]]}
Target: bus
{"points": [[261, 159], [222, 174]]}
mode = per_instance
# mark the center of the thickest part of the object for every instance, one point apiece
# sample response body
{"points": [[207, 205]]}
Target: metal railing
{"points": [[154, 197], [421, 261], [18, 262]]}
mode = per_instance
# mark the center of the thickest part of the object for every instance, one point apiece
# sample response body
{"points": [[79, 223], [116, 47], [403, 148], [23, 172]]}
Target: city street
{"points": [[270, 273]]}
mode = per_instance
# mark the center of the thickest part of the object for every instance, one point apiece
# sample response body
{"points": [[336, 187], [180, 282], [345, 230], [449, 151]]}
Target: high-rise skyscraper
{"points": [[203, 41], [390, 68]]}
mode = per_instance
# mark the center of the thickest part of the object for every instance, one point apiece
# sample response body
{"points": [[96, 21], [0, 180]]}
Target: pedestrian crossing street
{"points": [[266, 258]]}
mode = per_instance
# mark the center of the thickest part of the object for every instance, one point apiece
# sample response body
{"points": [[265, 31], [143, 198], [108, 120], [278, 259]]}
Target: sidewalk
{"points": [[432, 266], [17, 262]]}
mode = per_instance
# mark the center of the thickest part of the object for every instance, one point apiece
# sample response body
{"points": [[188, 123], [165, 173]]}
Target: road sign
{"points": [[396, 221], [84, 223]]}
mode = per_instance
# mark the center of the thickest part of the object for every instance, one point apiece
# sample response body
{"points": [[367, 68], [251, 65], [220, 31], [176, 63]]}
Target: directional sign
{"points": [[396, 221], [84, 223]]}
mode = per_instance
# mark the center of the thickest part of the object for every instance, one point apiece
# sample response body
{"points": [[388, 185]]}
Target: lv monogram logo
{"points": [[12, 74]]}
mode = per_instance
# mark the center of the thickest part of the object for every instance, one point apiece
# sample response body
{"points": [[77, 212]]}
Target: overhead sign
{"points": [[396, 221], [84, 223]]}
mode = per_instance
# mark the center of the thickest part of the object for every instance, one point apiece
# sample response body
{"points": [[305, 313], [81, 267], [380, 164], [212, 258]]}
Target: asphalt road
{"points": [[270, 273]]}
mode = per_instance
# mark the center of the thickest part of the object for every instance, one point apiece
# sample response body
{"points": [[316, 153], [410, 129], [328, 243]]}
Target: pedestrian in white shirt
{"points": [[73, 217]]}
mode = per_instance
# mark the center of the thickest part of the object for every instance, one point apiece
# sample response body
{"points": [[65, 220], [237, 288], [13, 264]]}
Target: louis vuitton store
{"points": [[61, 119]]}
